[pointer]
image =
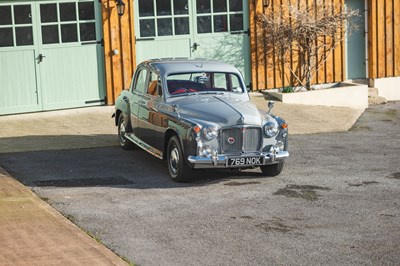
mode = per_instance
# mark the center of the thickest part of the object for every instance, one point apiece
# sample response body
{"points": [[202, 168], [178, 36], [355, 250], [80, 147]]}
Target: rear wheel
{"points": [[177, 168], [123, 142], [272, 169]]}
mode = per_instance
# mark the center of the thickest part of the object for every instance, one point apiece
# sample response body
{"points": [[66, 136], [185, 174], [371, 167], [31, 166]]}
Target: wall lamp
{"points": [[266, 3], [120, 7]]}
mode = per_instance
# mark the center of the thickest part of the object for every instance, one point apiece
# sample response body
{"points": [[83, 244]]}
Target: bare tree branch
{"points": [[303, 30]]}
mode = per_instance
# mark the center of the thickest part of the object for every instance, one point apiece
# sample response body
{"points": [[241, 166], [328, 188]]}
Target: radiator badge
{"points": [[231, 140]]}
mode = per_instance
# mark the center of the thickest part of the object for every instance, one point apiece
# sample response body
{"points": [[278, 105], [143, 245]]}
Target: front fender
{"points": [[182, 129], [122, 107]]}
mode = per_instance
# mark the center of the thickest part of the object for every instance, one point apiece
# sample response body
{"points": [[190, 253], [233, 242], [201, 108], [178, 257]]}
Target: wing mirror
{"points": [[270, 105]]}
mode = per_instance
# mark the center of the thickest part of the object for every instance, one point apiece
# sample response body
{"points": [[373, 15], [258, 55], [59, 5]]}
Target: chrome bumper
{"points": [[220, 161]]}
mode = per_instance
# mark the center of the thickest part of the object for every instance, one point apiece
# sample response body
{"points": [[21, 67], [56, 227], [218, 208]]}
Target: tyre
{"points": [[123, 142], [177, 167], [272, 169]]}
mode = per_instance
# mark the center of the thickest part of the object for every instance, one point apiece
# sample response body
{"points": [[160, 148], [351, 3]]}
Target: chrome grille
{"points": [[240, 139]]}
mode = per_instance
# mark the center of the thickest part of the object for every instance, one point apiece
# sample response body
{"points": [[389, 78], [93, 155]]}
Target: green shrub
{"points": [[288, 89]]}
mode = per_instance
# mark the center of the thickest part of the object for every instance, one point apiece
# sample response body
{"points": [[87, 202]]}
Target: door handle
{"points": [[40, 58], [194, 46]]}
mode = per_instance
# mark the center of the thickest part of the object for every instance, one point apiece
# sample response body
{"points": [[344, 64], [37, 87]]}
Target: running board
{"points": [[144, 146]]}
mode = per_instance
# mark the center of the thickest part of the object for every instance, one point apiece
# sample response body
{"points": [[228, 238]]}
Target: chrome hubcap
{"points": [[174, 160], [122, 132]]}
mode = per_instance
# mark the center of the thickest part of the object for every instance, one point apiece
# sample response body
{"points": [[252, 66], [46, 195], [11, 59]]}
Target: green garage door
{"points": [[50, 55], [213, 29]]}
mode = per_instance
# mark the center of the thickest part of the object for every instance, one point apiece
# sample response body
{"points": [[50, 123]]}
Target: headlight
{"points": [[210, 132], [271, 128]]}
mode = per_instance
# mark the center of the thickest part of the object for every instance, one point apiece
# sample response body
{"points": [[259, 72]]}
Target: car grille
{"points": [[240, 139]]}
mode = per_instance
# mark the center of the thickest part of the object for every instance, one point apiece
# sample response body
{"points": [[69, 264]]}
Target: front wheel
{"points": [[272, 169], [177, 168], [123, 142]]}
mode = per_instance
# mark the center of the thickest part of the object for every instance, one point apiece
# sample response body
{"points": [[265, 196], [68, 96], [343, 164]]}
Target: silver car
{"points": [[198, 114]]}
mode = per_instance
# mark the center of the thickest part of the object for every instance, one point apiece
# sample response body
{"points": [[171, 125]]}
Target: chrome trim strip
{"points": [[144, 146]]}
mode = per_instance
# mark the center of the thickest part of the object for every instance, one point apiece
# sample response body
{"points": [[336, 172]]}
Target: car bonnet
{"points": [[225, 110]]}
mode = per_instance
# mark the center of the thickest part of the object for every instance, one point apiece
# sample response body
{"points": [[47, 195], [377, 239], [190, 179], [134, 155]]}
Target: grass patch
{"points": [[45, 199]]}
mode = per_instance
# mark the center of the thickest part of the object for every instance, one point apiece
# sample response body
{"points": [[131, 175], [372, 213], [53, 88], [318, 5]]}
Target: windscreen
{"points": [[204, 82]]}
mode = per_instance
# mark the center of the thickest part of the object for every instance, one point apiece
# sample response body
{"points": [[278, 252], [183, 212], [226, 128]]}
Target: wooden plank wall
{"points": [[118, 33], [383, 38], [267, 71]]}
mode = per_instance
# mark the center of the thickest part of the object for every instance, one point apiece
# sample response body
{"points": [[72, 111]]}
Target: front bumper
{"points": [[220, 161]]}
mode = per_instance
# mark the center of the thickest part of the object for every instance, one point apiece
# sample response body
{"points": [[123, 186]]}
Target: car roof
{"points": [[167, 66]]}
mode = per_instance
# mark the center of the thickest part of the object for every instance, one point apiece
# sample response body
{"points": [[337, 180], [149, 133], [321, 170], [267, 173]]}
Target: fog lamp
{"points": [[206, 151], [280, 146]]}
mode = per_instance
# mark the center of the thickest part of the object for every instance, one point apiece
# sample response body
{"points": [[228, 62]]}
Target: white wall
{"points": [[389, 88]]}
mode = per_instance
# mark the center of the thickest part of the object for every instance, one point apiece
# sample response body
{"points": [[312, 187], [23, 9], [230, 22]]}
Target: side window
{"points": [[220, 81], [154, 87], [140, 85], [235, 83]]}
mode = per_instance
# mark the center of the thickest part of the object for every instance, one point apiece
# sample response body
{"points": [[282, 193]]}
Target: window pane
{"points": [[220, 23], [236, 22], [163, 7], [220, 81], [182, 26], [22, 14], [219, 6], [181, 7], [235, 5], [67, 12], [87, 31], [164, 26], [236, 87], [69, 33], [147, 28], [5, 15], [48, 13], [146, 8], [203, 81], [86, 10], [141, 81], [154, 87], [204, 24], [50, 34], [6, 38], [24, 36], [203, 6]]}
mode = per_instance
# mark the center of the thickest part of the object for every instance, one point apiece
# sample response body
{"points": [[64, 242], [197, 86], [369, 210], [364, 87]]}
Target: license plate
{"points": [[240, 161]]}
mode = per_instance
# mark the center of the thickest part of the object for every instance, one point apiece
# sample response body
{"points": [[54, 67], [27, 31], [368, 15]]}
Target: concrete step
{"points": [[372, 92], [373, 100]]}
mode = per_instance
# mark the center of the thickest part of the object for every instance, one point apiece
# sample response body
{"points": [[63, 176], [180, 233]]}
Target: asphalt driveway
{"points": [[337, 202]]}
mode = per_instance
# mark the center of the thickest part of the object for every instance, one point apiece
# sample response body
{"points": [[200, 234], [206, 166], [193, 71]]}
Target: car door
{"points": [[149, 116], [135, 100]]}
